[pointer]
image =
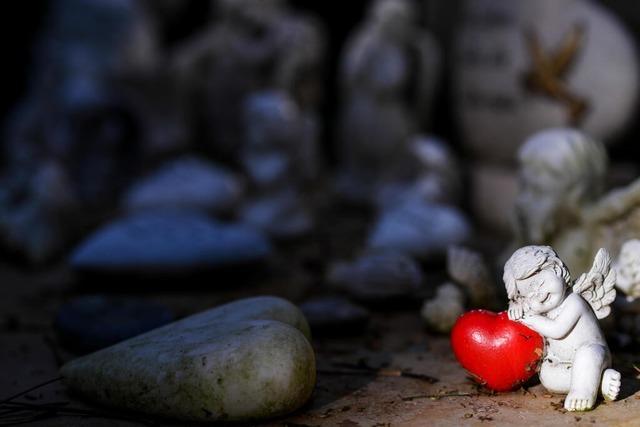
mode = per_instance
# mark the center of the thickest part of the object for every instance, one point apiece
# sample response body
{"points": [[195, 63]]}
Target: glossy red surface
{"points": [[498, 353]]}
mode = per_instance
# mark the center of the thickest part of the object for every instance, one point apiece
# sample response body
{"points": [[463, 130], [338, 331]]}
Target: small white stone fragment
{"points": [[627, 267], [441, 312], [467, 268]]}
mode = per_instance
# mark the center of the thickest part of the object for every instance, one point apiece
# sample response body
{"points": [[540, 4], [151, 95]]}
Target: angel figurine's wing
{"points": [[598, 285], [615, 207]]}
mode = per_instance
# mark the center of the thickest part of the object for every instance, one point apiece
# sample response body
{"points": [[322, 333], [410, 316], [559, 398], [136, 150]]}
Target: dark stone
{"points": [[377, 277], [334, 316]]}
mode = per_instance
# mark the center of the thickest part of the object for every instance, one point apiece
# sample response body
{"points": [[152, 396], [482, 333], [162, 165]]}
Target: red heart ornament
{"points": [[500, 354]]}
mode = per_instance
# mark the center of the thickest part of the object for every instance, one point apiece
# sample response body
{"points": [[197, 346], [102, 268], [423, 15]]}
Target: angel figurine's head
{"points": [[561, 170], [536, 279]]}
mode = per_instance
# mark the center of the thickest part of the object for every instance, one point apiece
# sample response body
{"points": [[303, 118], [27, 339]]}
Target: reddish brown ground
{"points": [[358, 382]]}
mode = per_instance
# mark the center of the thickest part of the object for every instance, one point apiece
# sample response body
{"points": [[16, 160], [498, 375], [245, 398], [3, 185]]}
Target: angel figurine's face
{"points": [[541, 292]]}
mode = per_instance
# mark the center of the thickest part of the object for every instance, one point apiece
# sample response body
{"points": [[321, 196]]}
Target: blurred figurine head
{"points": [[561, 171], [393, 17]]}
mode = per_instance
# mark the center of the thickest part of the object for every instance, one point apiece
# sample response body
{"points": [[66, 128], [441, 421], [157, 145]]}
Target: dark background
{"points": [[21, 22]]}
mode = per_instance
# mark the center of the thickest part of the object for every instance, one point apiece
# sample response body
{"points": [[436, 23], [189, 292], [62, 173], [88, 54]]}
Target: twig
{"points": [[35, 411], [363, 369], [17, 420], [53, 346], [437, 396], [10, 411], [22, 393], [37, 405], [398, 373], [51, 410]]}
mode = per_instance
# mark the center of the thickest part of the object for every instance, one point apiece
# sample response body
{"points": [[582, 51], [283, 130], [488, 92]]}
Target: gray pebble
{"points": [[167, 241], [334, 316]]}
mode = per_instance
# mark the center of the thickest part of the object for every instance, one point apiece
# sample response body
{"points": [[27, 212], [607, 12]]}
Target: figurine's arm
{"points": [[561, 326]]}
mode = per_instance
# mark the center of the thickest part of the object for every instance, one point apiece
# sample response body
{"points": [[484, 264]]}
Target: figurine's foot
{"points": [[610, 384], [577, 401]]}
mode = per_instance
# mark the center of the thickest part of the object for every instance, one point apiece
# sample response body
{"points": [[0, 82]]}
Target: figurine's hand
{"points": [[515, 312]]}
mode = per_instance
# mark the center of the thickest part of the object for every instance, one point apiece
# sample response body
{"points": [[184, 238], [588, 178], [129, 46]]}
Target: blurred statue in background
{"points": [[75, 110], [36, 213], [281, 159], [389, 72], [254, 77], [523, 66], [77, 124], [432, 173], [561, 202], [252, 45]]}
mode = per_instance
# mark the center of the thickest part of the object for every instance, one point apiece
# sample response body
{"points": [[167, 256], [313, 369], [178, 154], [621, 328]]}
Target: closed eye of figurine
{"points": [[542, 298], [539, 296]]}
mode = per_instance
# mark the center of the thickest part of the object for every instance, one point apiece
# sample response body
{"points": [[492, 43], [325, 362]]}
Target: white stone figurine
{"points": [[577, 359], [562, 201], [250, 46], [389, 72]]}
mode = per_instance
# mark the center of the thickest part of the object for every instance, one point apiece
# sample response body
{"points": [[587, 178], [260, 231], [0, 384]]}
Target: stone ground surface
{"points": [[394, 374]]}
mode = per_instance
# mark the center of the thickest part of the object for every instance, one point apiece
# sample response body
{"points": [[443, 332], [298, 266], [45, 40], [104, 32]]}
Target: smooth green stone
{"points": [[247, 360]]}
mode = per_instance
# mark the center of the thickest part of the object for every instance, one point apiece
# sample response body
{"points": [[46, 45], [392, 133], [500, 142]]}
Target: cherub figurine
{"points": [[577, 359], [561, 200]]}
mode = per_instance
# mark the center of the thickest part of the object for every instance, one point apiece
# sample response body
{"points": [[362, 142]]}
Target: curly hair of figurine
{"points": [[529, 260]]}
